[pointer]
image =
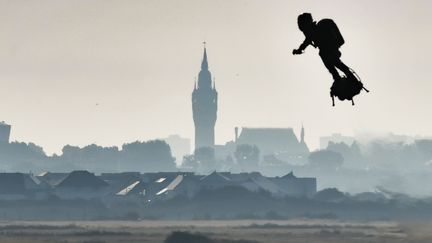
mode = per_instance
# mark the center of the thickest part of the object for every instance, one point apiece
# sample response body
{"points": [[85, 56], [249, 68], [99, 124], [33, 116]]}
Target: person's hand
{"points": [[297, 52]]}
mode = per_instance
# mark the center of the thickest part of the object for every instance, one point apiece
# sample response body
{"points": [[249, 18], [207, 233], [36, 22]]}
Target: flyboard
{"points": [[346, 88]]}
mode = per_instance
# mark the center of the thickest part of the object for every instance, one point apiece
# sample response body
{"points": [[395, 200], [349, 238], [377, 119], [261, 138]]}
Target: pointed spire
{"points": [[204, 76], [302, 134], [204, 64]]}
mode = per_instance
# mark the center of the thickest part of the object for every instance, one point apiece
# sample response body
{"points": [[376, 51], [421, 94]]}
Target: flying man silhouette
{"points": [[326, 36]]}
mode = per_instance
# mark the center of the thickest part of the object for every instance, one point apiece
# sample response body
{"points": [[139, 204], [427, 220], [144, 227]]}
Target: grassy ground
{"points": [[295, 231]]}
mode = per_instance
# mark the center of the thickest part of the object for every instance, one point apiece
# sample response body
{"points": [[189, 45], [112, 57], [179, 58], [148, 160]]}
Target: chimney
{"points": [[236, 134]]}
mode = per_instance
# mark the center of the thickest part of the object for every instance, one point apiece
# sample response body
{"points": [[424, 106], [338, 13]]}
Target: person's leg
{"points": [[345, 69], [341, 66], [329, 63]]}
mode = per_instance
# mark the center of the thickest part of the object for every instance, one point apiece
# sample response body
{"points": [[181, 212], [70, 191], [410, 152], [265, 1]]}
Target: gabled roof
{"points": [[215, 176], [289, 176], [82, 179], [52, 179], [271, 140]]}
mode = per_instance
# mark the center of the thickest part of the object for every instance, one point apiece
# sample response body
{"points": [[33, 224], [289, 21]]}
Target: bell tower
{"points": [[204, 107]]}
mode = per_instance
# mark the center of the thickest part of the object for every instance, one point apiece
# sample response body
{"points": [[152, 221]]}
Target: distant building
{"points": [[5, 130], [280, 142], [179, 146], [18, 186], [335, 138], [272, 140], [296, 186], [147, 187], [52, 179], [162, 186], [204, 106], [81, 184]]}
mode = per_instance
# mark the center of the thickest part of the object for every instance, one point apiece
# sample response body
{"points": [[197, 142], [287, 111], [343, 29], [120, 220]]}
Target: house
{"points": [[52, 179], [82, 184], [15, 186], [295, 186]]}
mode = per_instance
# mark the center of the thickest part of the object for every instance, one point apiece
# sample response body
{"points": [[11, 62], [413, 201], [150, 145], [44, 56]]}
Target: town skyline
{"points": [[67, 79]]}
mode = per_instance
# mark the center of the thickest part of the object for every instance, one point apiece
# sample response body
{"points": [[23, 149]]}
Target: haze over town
{"points": [[192, 121], [105, 72]]}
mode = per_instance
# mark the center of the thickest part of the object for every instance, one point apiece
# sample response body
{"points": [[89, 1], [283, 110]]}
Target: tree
{"points": [[204, 154], [325, 159], [424, 147], [272, 160], [189, 163], [205, 158], [329, 194], [24, 157], [91, 157], [352, 155], [247, 155], [151, 156], [204, 161]]}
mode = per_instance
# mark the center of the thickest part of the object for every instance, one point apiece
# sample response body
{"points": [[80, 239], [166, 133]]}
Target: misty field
{"points": [[244, 231]]}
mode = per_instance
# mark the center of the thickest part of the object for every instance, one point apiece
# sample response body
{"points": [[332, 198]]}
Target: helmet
{"points": [[303, 20]]}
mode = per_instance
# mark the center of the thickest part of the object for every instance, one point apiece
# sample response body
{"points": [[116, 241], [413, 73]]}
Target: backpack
{"points": [[346, 88], [329, 33]]}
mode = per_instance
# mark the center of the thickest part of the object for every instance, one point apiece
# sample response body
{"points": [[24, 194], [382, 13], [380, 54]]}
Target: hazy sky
{"points": [[108, 72]]}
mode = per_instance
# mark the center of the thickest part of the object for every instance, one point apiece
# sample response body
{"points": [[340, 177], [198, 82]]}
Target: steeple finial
{"points": [[302, 134], [204, 64]]}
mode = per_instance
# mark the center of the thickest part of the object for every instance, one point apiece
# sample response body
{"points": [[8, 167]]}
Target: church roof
{"points": [[289, 176], [271, 140]]}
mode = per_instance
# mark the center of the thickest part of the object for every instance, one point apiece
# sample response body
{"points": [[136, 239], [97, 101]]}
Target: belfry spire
{"points": [[302, 134], [204, 76], [204, 64]]}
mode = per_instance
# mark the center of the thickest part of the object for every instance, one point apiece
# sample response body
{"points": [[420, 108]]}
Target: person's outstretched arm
{"points": [[303, 46]]}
